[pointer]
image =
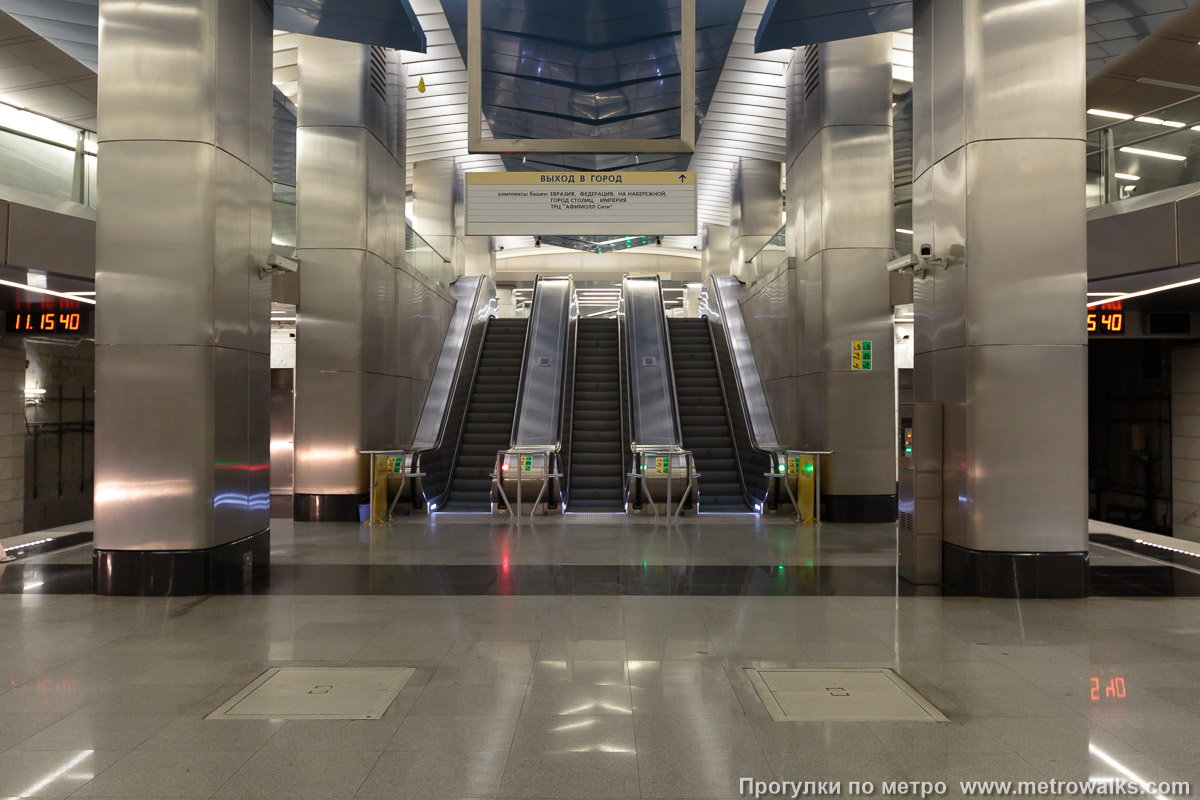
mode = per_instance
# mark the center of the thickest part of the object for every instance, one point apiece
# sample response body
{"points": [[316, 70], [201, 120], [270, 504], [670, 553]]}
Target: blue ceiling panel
{"points": [[793, 23], [593, 69], [384, 23], [73, 25]]}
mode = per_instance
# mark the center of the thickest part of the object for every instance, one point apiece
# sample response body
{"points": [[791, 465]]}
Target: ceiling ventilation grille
{"points": [[378, 76], [812, 69]]}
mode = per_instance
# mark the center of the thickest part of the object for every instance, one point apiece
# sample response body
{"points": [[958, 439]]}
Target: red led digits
{"points": [[1106, 322], [1114, 689]]}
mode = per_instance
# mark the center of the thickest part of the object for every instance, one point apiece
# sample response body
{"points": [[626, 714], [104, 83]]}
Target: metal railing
{"points": [[768, 257], [1143, 154], [423, 257]]}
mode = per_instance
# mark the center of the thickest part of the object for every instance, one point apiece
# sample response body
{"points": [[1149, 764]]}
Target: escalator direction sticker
{"points": [[526, 463], [860, 355], [662, 465]]}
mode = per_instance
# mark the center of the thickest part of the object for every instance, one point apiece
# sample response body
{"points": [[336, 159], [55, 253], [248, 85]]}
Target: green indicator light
{"points": [[781, 567], [808, 467], [781, 467]]}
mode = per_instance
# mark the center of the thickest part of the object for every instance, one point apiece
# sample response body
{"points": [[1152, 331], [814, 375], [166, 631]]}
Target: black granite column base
{"points": [[986, 573], [858, 508], [326, 507], [231, 568]]}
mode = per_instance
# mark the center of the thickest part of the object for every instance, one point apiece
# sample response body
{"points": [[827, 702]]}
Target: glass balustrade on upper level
{"points": [[1129, 156], [47, 157], [769, 256]]}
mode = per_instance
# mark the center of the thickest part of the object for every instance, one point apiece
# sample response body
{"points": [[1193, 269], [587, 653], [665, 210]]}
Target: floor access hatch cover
{"points": [[317, 693], [833, 695]]}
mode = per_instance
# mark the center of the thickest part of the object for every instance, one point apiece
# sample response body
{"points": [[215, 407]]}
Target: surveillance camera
{"points": [[906, 263], [926, 251], [277, 264]]}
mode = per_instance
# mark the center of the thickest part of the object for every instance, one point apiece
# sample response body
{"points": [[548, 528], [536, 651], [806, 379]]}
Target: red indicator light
{"points": [[504, 467]]}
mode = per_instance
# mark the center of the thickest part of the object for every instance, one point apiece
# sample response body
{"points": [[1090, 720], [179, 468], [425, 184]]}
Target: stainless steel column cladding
{"points": [[368, 330], [183, 340], [839, 177], [755, 212], [998, 134]]}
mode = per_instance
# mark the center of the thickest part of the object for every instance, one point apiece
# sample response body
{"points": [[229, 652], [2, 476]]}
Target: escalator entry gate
{"points": [[526, 482]]}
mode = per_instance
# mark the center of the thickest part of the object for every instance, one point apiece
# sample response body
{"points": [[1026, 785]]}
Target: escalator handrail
{"points": [[759, 424], [668, 369], [478, 314], [535, 327]]}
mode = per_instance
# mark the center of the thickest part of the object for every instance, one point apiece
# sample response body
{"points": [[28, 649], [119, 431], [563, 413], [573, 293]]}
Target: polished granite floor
{"points": [[569, 694]]}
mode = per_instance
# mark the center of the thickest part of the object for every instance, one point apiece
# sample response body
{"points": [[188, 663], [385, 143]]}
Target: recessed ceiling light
{"points": [[1170, 123], [1148, 120], [1099, 112], [1125, 176], [904, 231], [1137, 151]]}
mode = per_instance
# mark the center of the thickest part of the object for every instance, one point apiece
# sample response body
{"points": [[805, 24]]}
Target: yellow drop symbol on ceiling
{"points": [[421, 86]]}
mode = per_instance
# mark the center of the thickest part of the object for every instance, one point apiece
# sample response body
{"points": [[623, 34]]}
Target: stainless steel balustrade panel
{"points": [[538, 424], [183, 326], [722, 296], [475, 301], [651, 384]]}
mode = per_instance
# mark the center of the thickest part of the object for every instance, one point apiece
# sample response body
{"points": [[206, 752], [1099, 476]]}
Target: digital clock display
{"points": [[48, 322], [1106, 323]]}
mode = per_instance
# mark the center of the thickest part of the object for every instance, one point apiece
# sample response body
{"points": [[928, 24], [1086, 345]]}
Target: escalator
{"points": [[703, 417], [596, 481], [488, 425]]}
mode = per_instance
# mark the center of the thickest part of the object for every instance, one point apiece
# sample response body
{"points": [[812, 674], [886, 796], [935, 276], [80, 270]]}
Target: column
{"points": [[998, 135], [755, 213], [839, 180], [434, 182], [12, 437], [350, 237], [183, 333], [714, 250]]}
